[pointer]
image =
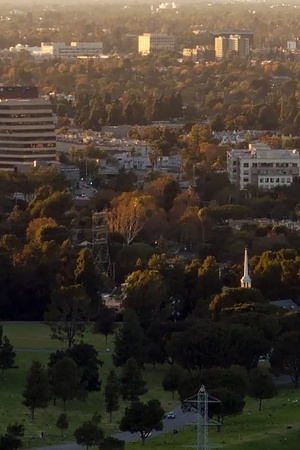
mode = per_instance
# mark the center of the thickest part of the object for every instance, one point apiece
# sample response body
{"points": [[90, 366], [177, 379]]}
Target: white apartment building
{"points": [[27, 131], [262, 166], [151, 43]]}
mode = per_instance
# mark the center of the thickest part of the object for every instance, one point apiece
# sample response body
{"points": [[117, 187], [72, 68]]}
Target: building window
{"points": [[246, 165], [271, 180], [254, 165], [246, 180], [277, 180], [261, 180], [267, 180]]}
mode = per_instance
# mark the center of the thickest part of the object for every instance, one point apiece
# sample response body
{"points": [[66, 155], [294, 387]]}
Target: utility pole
{"points": [[86, 171]]}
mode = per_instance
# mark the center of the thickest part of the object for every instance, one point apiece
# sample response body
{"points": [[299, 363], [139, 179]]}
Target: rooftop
{"points": [[231, 31], [265, 152], [286, 304], [18, 92]]}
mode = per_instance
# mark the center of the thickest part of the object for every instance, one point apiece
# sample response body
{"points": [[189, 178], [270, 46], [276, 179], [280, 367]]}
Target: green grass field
{"points": [[36, 336], [250, 431], [277, 427]]}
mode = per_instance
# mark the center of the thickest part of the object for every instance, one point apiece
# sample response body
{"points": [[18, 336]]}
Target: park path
{"points": [[52, 350]]}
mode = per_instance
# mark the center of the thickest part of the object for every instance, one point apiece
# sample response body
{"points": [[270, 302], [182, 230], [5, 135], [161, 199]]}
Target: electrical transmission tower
{"points": [[200, 403], [100, 242]]}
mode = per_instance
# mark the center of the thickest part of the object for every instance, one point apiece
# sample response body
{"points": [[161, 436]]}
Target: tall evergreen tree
{"points": [[105, 321], [86, 275], [172, 379], [7, 354], [62, 423], [129, 340], [132, 383], [67, 380], [87, 358], [112, 393], [37, 392]]}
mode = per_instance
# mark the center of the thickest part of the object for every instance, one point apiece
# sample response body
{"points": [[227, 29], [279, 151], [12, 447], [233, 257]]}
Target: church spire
{"points": [[246, 280]]}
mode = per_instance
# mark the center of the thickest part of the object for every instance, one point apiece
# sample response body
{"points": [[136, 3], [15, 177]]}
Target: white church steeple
{"points": [[246, 280]]}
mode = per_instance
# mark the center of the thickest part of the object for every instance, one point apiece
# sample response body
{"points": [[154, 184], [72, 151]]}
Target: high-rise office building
{"points": [[27, 131], [221, 47], [232, 42]]}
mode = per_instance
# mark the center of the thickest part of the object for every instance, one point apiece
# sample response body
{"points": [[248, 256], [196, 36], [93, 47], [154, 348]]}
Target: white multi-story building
{"points": [[167, 5], [151, 43], [221, 46], [74, 50], [27, 131], [61, 50], [128, 161], [262, 166]]}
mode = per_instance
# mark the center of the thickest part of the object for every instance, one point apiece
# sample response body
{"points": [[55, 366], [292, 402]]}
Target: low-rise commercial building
{"points": [[74, 50], [152, 43], [62, 50], [262, 166]]}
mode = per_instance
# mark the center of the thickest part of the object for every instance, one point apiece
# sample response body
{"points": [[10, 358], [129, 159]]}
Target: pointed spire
{"points": [[246, 280]]}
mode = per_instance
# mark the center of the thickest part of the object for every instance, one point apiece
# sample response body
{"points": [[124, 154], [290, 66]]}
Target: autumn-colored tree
{"points": [[35, 224], [129, 212]]}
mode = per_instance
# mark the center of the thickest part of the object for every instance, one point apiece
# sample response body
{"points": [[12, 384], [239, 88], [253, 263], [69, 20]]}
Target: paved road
{"points": [[181, 420]]}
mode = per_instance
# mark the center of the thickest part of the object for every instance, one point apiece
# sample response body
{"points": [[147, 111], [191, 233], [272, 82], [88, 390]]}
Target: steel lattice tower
{"points": [[200, 403], [100, 242], [202, 419]]}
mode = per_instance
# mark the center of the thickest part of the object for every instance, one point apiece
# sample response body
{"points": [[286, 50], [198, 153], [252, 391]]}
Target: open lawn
{"points": [[277, 427], [36, 336]]}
